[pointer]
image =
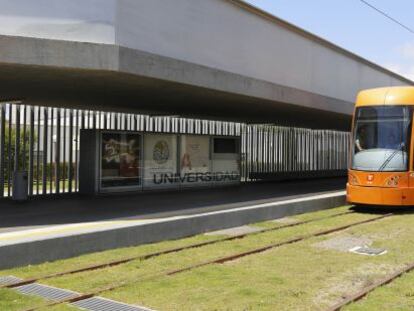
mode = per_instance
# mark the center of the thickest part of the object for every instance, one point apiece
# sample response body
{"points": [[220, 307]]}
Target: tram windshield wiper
{"points": [[391, 156]]}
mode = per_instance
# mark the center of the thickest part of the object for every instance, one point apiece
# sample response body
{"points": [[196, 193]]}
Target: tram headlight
{"points": [[352, 179]]}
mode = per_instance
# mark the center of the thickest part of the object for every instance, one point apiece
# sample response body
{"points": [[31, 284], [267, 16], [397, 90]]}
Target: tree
{"points": [[10, 148]]}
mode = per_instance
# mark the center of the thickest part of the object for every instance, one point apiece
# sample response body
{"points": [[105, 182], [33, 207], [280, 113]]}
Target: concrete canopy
{"points": [[113, 78]]}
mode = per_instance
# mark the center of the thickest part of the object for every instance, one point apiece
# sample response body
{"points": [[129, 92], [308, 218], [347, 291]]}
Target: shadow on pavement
{"points": [[77, 209]]}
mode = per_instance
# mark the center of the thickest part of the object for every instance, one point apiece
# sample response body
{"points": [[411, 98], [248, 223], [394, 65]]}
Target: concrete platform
{"points": [[47, 230]]}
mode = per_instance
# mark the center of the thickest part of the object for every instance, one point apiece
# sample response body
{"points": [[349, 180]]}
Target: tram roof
{"points": [[399, 95]]}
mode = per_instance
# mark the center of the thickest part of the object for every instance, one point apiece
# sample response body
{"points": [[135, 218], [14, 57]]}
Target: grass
{"points": [[138, 270], [299, 276], [99, 258], [116, 254], [12, 301], [398, 295]]}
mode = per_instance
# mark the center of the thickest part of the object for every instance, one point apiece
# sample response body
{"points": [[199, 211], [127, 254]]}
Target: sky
{"points": [[355, 27]]}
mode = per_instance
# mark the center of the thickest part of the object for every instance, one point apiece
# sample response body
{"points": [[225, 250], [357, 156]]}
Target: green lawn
{"points": [[398, 295], [145, 269], [116, 254], [299, 276], [11, 301], [296, 277]]}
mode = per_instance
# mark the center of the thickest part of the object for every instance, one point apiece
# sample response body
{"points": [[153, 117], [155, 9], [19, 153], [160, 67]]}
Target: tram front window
{"points": [[381, 138]]}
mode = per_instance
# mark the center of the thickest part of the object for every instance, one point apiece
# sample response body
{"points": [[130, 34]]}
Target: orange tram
{"points": [[381, 170]]}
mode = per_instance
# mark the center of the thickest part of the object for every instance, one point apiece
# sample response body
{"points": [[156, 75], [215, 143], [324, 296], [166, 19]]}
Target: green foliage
{"points": [[24, 146], [51, 170], [10, 145]]}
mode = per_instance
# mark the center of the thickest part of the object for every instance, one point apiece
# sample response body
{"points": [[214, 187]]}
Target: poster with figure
{"points": [[120, 160], [160, 161], [195, 164]]}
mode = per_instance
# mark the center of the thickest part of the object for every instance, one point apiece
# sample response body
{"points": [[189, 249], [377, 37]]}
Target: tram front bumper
{"points": [[379, 195]]}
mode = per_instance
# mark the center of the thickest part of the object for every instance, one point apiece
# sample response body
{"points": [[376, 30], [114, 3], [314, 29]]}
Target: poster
{"points": [[120, 160], [195, 164], [160, 161]]}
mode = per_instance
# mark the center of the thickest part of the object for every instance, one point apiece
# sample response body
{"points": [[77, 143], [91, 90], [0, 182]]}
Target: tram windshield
{"points": [[381, 140]]}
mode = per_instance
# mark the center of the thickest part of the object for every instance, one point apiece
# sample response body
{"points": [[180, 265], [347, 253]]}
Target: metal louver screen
{"points": [[44, 141]]}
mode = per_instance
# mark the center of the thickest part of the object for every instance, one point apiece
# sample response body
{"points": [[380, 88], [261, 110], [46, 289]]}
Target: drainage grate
{"points": [[57, 294], [365, 250], [9, 280], [102, 304], [48, 292], [344, 243]]}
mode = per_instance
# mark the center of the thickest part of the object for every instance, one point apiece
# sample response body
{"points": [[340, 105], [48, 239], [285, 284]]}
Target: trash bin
{"points": [[20, 186]]}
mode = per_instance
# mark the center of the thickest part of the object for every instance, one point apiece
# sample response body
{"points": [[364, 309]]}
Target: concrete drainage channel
{"points": [[57, 294]]}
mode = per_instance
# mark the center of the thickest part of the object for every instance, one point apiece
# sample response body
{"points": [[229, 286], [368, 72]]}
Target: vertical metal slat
{"points": [[45, 151], [31, 151], [2, 147], [57, 156], [70, 162]]}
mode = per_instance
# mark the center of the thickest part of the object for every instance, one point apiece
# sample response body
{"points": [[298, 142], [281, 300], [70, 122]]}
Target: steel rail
{"points": [[215, 261], [365, 291], [275, 245], [168, 251]]}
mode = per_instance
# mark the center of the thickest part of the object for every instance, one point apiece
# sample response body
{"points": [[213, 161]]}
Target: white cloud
{"points": [[404, 63], [407, 50], [406, 71]]}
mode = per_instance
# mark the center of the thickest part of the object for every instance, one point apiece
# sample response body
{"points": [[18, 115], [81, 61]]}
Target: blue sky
{"points": [[355, 27]]}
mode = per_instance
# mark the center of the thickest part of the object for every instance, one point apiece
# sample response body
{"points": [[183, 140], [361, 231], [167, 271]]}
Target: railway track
{"points": [[365, 291], [169, 251], [219, 260]]}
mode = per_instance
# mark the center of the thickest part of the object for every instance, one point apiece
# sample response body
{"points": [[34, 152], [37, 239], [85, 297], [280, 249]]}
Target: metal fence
{"points": [[274, 149], [44, 141]]}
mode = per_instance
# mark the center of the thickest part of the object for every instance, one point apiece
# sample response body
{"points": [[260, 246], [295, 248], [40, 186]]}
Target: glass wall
{"points": [[168, 161]]}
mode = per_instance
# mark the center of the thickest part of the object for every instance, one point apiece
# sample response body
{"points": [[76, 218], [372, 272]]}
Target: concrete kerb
{"points": [[40, 251]]}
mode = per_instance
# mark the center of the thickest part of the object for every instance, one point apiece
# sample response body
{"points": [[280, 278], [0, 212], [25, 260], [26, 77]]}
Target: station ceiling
{"points": [[112, 78], [120, 92]]}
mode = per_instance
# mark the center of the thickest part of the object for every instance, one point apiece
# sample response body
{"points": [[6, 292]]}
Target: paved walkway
{"points": [[75, 209], [28, 235]]}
